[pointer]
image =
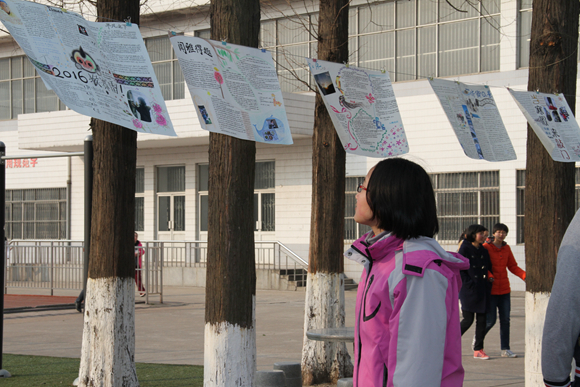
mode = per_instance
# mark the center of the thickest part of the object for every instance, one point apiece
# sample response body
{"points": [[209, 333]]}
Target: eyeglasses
{"points": [[360, 188]]}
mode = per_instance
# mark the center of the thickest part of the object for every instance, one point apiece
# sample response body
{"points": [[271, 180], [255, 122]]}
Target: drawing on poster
{"points": [[325, 83], [363, 109], [235, 89], [84, 61], [204, 114], [4, 7], [82, 30], [549, 117], [269, 130]]}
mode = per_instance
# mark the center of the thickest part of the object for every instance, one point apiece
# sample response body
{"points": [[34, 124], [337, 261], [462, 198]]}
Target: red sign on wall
{"points": [[21, 163]]}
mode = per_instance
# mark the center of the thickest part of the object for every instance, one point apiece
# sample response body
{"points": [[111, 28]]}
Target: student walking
{"points": [[407, 316], [476, 290], [502, 259]]}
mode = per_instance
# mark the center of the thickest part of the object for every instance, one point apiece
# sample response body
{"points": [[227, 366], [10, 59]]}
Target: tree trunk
{"points": [[230, 336], [108, 347], [549, 194], [324, 362]]}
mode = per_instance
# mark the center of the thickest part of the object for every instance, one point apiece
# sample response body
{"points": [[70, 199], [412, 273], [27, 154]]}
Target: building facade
{"points": [[487, 43]]}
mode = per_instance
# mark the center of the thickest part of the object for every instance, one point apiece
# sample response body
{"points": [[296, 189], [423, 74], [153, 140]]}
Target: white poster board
{"points": [[553, 122], [474, 117], [234, 88], [363, 108], [101, 70]]}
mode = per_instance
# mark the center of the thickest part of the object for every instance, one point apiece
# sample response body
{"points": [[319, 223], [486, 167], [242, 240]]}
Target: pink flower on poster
{"points": [[157, 108], [160, 120], [218, 77], [138, 124]]}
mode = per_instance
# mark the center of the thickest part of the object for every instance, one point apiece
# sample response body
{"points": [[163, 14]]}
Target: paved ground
{"points": [[172, 333]]}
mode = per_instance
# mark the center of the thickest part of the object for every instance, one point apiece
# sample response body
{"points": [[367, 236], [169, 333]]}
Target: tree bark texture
{"points": [[327, 362], [108, 346], [230, 336], [549, 194], [231, 271]]}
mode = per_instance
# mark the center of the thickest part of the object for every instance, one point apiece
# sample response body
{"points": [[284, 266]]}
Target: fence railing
{"points": [[58, 264]]}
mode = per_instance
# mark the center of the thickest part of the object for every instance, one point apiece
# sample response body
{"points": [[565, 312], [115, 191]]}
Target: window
{"points": [[36, 213], [524, 32], [463, 199], [140, 199], [166, 67], [264, 197], [23, 91], [411, 39], [171, 199], [520, 190], [520, 200], [352, 230]]}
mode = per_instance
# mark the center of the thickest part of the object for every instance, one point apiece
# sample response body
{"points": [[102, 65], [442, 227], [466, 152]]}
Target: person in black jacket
{"points": [[475, 293]]}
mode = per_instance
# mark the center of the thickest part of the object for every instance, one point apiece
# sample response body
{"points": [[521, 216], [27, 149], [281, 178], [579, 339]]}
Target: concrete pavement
{"points": [[173, 332]]}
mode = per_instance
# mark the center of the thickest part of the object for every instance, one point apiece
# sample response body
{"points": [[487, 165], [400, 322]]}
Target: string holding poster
{"points": [[474, 117], [101, 70], [363, 108], [552, 120], [234, 88]]}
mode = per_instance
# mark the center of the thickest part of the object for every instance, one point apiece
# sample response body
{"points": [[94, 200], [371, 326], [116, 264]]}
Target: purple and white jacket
{"points": [[407, 331]]}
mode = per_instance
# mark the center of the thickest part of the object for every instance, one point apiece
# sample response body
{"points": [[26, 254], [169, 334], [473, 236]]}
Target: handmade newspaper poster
{"points": [[235, 89], [101, 70], [474, 117], [553, 122], [363, 108]]}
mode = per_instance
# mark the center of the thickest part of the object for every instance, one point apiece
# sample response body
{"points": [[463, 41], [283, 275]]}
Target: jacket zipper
{"points": [[359, 314]]}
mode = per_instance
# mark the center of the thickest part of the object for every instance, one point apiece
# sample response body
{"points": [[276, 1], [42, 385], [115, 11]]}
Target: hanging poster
{"points": [[101, 70], [234, 88], [553, 122], [363, 108], [474, 117]]}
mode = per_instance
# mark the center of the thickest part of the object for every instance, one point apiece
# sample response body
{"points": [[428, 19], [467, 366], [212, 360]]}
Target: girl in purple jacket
{"points": [[407, 330]]}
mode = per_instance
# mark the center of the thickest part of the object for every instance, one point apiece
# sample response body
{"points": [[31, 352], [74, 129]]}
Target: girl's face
{"points": [[500, 235], [362, 212], [481, 236]]}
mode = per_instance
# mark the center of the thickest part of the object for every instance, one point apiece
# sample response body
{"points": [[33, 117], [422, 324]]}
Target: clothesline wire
{"points": [[418, 77]]}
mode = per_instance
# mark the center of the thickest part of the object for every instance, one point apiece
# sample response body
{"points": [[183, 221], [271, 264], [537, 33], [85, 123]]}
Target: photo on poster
{"points": [[82, 30], [204, 114], [325, 83], [139, 105]]}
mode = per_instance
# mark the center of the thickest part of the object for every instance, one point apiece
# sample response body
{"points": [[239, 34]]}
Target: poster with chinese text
{"points": [[235, 89], [553, 122], [474, 117], [363, 108], [101, 70]]}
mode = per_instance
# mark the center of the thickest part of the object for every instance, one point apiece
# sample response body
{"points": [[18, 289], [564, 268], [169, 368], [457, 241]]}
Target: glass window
{"points": [[520, 191], [36, 213], [464, 199], [23, 91], [166, 67], [171, 179], [140, 199]]}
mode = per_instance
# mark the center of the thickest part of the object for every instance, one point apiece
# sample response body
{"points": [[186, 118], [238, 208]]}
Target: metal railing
{"points": [[58, 264]]}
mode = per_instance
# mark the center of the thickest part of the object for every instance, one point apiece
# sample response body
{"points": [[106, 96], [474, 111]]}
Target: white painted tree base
{"points": [[229, 358], [536, 305], [108, 348], [324, 308]]}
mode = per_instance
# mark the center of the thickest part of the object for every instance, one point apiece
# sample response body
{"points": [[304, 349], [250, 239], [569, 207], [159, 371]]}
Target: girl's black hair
{"points": [[500, 227], [473, 230], [401, 197]]}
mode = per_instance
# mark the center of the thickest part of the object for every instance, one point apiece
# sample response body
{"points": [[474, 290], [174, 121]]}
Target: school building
{"points": [[487, 43]]}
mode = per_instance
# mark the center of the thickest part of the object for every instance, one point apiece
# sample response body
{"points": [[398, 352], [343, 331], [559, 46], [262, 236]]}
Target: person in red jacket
{"points": [[502, 259]]}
